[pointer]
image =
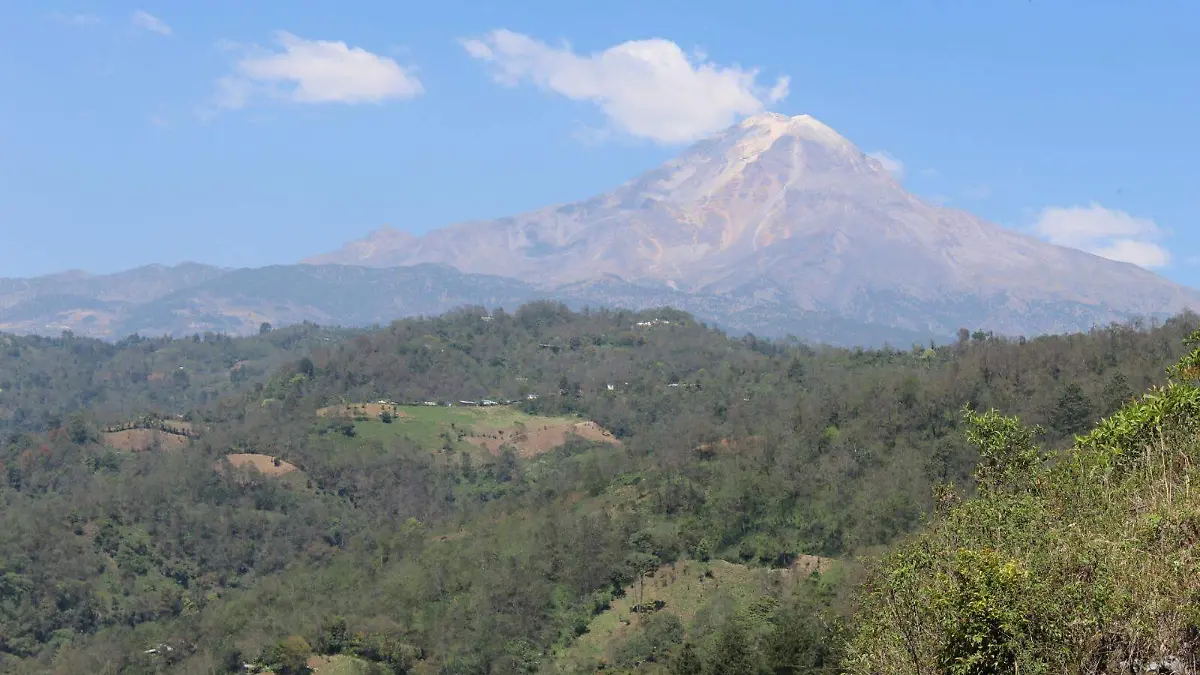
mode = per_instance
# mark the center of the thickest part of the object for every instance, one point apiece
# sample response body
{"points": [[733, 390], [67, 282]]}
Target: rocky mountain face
{"points": [[777, 226], [785, 215]]}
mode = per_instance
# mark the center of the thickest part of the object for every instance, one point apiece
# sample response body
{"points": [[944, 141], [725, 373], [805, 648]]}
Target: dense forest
{"points": [[388, 543], [43, 380]]}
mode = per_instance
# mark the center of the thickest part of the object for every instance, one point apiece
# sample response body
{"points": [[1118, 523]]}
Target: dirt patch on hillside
{"points": [[535, 439], [736, 446], [264, 463], [352, 410], [141, 440], [807, 564]]}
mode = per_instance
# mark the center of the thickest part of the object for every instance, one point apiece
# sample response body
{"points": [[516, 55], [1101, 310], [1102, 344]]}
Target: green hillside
{"points": [[447, 541], [1081, 561]]}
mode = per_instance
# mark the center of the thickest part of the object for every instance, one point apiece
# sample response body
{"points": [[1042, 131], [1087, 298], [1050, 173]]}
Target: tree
{"points": [[687, 661], [78, 429], [795, 371], [1116, 393], [334, 636], [264, 328], [804, 640], [1009, 459], [290, 655], [1073, 412], [734, 655]]}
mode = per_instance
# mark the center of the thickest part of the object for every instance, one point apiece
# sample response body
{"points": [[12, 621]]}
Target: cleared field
{"points": [[481, 428], [537, 436], [141, 440], [264, 463]]}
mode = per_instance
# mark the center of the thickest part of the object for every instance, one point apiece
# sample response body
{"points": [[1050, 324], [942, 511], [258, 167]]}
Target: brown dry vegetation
{"points": [[538, 439], [728, 446], [807, 564], [141, 440], [264, 463]]}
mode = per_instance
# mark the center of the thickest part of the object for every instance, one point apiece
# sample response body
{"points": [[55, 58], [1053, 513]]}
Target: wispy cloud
{"points": [[313, 71], [648, 89], [889, 162], [1109, 233], [149, 22]]}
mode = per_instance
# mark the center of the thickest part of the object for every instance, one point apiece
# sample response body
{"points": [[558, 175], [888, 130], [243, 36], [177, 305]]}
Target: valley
{"points": [[734, 492], [599, 339]]}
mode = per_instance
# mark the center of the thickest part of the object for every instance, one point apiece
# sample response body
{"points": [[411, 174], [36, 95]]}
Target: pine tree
{"points": [[1073, 412]]}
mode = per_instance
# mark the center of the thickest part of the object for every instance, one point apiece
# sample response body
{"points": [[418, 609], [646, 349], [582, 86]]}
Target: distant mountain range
{"points": [[776, 226]]}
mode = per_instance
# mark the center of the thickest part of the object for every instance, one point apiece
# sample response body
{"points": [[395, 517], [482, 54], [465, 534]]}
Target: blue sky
{"points": [[240, 134]]}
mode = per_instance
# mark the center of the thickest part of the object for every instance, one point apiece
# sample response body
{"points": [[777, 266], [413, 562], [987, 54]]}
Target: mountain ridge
{"points": [[776, 226], [791, 204]]}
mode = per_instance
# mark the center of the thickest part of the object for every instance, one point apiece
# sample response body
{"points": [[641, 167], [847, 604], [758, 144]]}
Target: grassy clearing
{"points": [[693, 591], [353, 410], [470, 429]]}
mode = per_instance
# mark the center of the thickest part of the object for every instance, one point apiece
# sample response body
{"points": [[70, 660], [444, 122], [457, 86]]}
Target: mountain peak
{"points": [[773, 126], [783, 214]]}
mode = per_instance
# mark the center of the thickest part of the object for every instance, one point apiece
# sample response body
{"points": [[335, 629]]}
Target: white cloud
{"points": [[315, 71], [147, 21], [890, 163], [647, 88], [1110, 233]]}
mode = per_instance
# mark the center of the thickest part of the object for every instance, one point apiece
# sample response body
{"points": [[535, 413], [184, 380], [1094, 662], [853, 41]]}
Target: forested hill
{"points": [[645, 456], [44, 380]]}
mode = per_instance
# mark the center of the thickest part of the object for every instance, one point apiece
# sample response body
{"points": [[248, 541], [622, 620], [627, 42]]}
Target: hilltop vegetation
{"points": [[44, 380], [1082, 561], [404, 545]]}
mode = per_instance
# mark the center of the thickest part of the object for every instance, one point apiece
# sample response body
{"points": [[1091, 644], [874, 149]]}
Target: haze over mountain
{"points": [[777, 225]]}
